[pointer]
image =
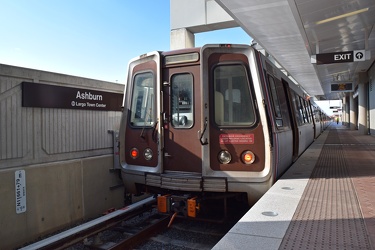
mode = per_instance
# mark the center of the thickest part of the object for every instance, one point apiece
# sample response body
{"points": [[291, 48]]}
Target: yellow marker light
{"points": [[134, 153], [248, 157]]}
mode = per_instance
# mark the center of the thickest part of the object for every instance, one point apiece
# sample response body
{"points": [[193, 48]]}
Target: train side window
{"points": [[317, 115], [297, 110], [182, 100], [308, 110], [304, 110], [301, 110], [275, 101], [233, 103], [142, 108]]}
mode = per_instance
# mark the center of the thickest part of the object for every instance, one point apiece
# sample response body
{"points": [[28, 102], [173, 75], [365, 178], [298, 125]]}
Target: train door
{"points": [[291, 109], [182, 118], [283, 133], [140, 148], [236, 143]]}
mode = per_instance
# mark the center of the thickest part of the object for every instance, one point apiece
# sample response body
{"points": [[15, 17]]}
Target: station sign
{"points": [[342, 87], [53, 96], [339, 57]]}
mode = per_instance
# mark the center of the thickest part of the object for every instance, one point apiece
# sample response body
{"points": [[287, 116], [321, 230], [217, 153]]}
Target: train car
{"points": [[318, 118], [321, 119], [326, 120], [209, 122]]}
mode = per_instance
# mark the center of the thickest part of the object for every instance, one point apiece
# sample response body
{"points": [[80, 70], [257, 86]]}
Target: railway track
{"points": [[93, 229], [127, 236], [138, 226], [187, 234]]}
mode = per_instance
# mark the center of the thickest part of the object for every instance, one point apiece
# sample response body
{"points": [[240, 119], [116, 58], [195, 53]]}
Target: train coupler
{"points": [[180, 205]]}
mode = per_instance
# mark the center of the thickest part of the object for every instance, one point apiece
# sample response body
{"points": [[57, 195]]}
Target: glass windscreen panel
{"points": [[182, 100], [142, 110], [233, 103]]}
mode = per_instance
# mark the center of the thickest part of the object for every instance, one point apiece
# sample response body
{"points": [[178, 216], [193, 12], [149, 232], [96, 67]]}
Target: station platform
{"points": [[326, 200]]}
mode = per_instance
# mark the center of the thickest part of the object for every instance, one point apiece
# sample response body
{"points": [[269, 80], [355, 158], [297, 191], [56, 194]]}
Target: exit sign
{"points": [[339, 57]]}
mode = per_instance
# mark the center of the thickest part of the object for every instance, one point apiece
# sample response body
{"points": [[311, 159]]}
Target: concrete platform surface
{"points": [[326, 200]]}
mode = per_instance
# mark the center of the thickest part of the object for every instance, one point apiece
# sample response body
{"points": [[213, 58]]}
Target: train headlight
{"points": [[134, 153], [248, 157], [147, 154], [224, 157]]}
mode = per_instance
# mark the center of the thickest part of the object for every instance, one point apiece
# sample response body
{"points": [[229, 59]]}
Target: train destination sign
{"points": [[53, 96], [339, 57]]}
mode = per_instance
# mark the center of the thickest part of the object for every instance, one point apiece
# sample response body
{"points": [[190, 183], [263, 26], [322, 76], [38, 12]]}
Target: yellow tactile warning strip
{"points": [[329, 215]]}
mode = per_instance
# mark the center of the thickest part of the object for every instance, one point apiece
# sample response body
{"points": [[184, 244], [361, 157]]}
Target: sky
{"points": [[90, 38]]}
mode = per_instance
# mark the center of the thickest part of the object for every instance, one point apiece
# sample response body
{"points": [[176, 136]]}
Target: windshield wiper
{"points": [[148, 114]]}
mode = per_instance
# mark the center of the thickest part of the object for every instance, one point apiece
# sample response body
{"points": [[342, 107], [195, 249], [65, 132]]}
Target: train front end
{"points": [[194, 126]]}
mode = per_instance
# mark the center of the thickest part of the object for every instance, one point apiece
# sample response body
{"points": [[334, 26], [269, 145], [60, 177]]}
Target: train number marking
{"points": [[20, 188]]}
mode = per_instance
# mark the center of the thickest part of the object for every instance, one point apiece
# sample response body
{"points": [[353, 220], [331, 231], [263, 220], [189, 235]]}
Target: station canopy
{"points": [[318, 42]]}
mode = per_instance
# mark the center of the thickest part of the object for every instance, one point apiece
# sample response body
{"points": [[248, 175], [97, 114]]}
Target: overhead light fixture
{"points": [[342, 16]]}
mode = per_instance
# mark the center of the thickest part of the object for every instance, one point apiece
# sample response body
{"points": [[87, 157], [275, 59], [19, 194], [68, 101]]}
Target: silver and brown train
{"points": [[210, 122]]}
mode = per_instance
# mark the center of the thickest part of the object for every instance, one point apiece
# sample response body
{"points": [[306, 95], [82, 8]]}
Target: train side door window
{"points": [[182, 100], [233, 103], [275, 101], [142, 108]]}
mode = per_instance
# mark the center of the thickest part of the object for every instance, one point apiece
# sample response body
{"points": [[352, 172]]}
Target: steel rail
{"points": [[76, 230], [144, 234]]}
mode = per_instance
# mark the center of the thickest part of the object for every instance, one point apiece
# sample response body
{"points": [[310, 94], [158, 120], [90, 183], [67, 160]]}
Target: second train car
{"points": [[206, 122]]}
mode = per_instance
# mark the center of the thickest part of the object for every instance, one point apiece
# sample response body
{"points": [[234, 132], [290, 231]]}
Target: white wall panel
{"points": [[15, 121], [67, 130], [199, 16], [38, 135]]}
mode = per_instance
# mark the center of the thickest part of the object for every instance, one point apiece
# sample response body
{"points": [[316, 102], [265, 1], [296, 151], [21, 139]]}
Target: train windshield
{"points": [[142, 111], [232, 99]]}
